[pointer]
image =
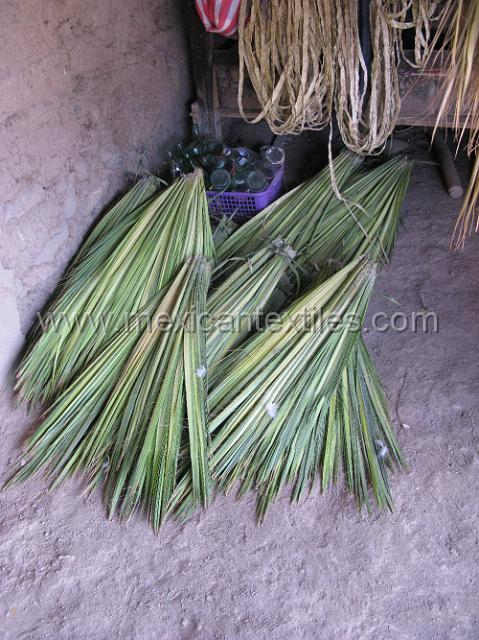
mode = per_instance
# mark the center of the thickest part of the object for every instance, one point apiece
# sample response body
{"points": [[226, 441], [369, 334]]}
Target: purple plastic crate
{"points": [[243, 205]]}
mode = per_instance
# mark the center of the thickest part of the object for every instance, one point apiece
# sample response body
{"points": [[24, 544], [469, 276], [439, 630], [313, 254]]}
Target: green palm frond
{"points": [[159, 415], [123, 419], [350, 419], [335, 233], [126, 266], [266, 399]]}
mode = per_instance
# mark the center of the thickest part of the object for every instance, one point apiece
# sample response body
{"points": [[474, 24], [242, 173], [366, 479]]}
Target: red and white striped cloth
{"points": [[219, 16]]}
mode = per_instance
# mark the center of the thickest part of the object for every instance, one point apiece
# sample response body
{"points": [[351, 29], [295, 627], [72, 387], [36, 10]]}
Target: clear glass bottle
{"points": [[272, 160], [220, 179], [238, 180], [275, 156], [256, 181]]}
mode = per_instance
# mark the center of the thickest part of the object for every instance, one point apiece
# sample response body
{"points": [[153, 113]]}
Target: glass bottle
{"points": [[220, 180], [256, 181]]}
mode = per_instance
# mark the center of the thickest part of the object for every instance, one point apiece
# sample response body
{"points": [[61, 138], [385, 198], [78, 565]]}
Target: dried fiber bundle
{"points": [[133, 255], [419, 15], [460, 93], [366, 104], [286, 49], [307, 63]]}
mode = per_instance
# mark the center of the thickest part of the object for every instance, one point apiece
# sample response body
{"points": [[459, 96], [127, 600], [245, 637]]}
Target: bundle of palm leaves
{"points": [[352, 423], [294, 216], [138, 396], [323, 231], [96, 247], [270, 244], [269, 399], [131, 255], [291, 403], [322, 227]]}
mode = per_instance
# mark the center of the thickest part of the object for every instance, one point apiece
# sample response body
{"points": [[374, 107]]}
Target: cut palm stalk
{"points": [[358, 406], [256, 390], [321, 224], [124, 416], [352, 431], [164, 390], [123, 276], [54, 446], [234, 306]]}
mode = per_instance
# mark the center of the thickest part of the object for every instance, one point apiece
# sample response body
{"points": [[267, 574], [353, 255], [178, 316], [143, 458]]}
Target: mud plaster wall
{"points": [[87, 89]]}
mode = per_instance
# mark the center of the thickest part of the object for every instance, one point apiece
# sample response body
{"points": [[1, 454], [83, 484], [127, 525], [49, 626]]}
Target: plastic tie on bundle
{"points": [[284, 250], [272, 409], [381, 449]]}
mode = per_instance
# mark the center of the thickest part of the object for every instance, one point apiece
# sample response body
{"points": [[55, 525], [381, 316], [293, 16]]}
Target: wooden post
{"points": [[448, 168]]}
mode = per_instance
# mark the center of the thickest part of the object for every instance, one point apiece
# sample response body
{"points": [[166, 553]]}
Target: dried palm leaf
{"points": [[460, 93]]}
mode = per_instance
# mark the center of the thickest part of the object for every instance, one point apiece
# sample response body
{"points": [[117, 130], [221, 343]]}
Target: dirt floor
{"points": [[314, 570]]}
